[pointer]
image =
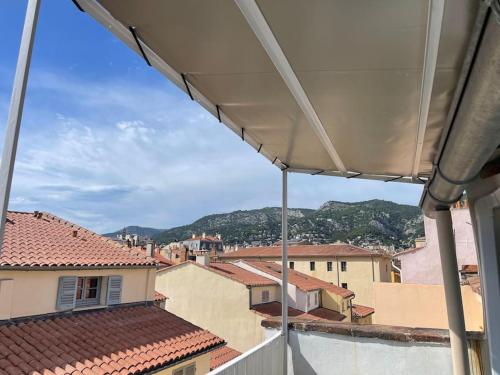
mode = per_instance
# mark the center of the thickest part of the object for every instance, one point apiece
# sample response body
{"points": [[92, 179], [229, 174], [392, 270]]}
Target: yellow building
{"points": [[231, 300], [343, 265], [72, 301]]}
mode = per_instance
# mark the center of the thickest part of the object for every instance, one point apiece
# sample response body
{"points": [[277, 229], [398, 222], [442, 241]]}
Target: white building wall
{"points": [[423, 266], [315, 353], [296, 299]]}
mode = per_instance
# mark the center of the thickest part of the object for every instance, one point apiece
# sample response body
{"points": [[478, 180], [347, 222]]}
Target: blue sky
{"points": [[106, 141]]}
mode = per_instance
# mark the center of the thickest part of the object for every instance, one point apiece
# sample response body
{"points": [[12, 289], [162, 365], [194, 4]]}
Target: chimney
{"points": [[219, 237], [150, 248], [193, 236], [203, 235], [203, 259], [75, 233]]}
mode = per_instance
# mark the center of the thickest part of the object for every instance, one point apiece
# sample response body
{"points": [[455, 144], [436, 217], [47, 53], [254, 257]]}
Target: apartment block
{"points": [[343, 265]]}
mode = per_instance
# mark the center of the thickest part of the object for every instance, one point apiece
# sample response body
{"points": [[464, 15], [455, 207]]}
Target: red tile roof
{"points": [[241, 275], [469, 268], [231, 272], [160, 297], [301, 251], [44, 240], [222, 355], [360, 311], [206, 238], [163, 262], [300, 280], [273, 309], [119, 341]]}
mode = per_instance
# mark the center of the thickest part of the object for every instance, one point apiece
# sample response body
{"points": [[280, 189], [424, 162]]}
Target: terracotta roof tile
{"points": [[469, 268], [241, 275], [160, 297], [132, 339], [360, 311], [300, 280], [222, 355], [273, 309], [44, 240], [304, 251]]}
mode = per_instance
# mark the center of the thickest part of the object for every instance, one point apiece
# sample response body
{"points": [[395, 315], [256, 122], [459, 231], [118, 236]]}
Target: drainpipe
{"points": [[16, 110], [284, 274], [454, 307]]}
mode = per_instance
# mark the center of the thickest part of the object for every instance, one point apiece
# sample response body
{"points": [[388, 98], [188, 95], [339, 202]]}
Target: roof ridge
{"points": [[131, 251]]}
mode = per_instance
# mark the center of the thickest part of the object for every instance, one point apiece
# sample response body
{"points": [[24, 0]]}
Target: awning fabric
{"points": [[360, 64]]}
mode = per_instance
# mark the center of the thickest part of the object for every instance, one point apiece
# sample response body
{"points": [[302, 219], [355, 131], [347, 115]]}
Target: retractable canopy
{"points": [[349, 88]]}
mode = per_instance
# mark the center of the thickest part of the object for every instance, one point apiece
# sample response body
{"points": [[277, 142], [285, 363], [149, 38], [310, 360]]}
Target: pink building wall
{"points": [[423, 266]]}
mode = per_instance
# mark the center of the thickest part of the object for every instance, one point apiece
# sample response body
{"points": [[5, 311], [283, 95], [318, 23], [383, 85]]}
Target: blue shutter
{"points": [[114, 290], [66, 292]]}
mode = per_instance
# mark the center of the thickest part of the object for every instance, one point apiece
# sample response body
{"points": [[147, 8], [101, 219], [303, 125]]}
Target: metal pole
{"points": [[16, 110], [454, 307], [284, 274]]}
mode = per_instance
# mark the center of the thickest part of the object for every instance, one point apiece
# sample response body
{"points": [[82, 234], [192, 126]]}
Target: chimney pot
{"points": [[150, 247], [203, 259]]}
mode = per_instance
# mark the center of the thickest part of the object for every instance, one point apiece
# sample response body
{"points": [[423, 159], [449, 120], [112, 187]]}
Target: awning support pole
{"points": [[16, 110], [454, 307], [284, 274]]}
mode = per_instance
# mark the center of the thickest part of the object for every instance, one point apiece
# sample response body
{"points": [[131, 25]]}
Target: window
{"points": [[344, 285], [265, 296], [74, 291], [315, 299], [188, 370], [343, 266], [312, 266], [308, 300], [88, 291], [292, 265], [329, 266]]}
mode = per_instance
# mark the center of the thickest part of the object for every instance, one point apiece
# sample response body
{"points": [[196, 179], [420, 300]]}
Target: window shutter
{"points": [[66, 292], [114, 290]]}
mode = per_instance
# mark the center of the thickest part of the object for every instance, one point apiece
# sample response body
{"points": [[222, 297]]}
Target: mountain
{"points": [[134, 229], [361, 223]]}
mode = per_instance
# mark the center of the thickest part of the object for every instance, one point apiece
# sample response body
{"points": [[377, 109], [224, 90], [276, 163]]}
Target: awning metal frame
{"points": [[262, 31], [100, 14], [434, 23]]}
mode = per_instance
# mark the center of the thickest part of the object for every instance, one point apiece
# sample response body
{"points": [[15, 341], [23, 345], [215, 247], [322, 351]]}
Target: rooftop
{"points": [[36, 239], [122, 340], [360, 311], [206, 238], [304, 251], [241, 275], [222, 355], [300, 280], [159, 297], [273, 309]]}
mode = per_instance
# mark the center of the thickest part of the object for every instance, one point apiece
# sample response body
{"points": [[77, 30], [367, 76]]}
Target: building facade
{"points": [[72, 301], [231, 300], [343, 265], [422, 265]]}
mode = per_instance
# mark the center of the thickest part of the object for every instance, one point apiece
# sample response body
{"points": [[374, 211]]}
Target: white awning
{"points": [[349, 88]]}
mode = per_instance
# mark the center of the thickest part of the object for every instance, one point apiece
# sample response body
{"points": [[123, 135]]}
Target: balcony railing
{"points": [[265, 358]]}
